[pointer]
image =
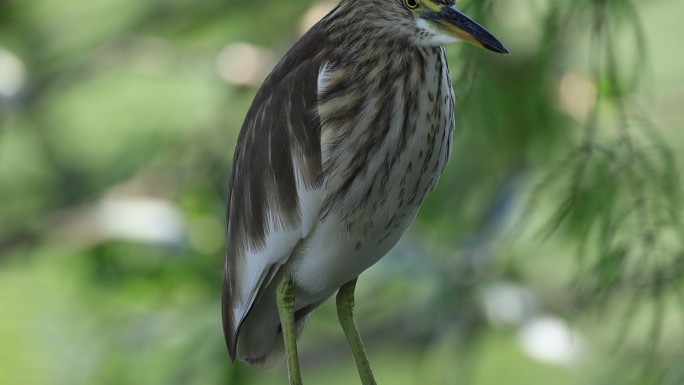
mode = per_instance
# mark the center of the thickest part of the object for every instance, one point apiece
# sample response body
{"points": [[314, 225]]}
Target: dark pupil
{"points": [[411, 3]]}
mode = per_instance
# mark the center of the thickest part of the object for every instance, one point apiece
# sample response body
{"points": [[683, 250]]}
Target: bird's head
{"points": [[440, 22], [421, 22]]}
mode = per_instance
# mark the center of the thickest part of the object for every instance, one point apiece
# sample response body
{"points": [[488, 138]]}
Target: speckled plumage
{"points": [[340, 147]]}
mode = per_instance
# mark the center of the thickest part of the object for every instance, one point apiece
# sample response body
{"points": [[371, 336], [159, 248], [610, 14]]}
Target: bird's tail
{"points": [[258, 340]]}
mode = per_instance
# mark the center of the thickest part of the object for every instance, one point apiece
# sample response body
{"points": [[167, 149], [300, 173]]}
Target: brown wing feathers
{"points": [[280, 127]]}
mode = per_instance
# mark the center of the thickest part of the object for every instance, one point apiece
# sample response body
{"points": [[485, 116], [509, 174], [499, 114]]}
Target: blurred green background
{"points": [[550, 253]]}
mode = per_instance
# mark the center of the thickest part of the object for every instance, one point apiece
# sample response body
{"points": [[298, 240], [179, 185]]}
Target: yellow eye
{"points": [[411, 4]]}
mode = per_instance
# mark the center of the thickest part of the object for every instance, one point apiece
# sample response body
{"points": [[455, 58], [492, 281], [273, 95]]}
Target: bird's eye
{"points": [[411, 4]]}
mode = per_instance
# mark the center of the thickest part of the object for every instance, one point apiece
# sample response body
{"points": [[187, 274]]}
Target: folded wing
{"points": [[275, 189]]}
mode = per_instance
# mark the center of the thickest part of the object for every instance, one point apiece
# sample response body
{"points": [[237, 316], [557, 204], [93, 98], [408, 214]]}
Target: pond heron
{"points": [[341, 145]]}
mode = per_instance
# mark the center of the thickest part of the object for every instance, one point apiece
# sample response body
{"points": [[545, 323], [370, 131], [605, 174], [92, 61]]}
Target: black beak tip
{"points": [[498, 48]]}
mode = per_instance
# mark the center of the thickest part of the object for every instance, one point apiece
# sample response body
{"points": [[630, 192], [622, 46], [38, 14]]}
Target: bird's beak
{"points": [[464, 28]]}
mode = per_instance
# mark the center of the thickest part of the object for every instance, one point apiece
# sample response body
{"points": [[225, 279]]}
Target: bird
{"points": [[340, 146]]}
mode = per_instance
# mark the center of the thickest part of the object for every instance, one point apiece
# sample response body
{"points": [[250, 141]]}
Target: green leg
{"points": [[285, 298], [345, 313]]}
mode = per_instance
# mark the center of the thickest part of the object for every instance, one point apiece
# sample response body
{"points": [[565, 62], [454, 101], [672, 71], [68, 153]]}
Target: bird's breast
{"points": [[386, 137]]}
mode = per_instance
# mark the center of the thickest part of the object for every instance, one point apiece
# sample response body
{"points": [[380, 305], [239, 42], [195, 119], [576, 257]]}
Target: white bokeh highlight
{"points": [[551, 340], [149, 220], [12, 74]]}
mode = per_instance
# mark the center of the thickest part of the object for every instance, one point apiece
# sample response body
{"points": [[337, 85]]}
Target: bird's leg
{"points": [[286, 300], [345, 313]]}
